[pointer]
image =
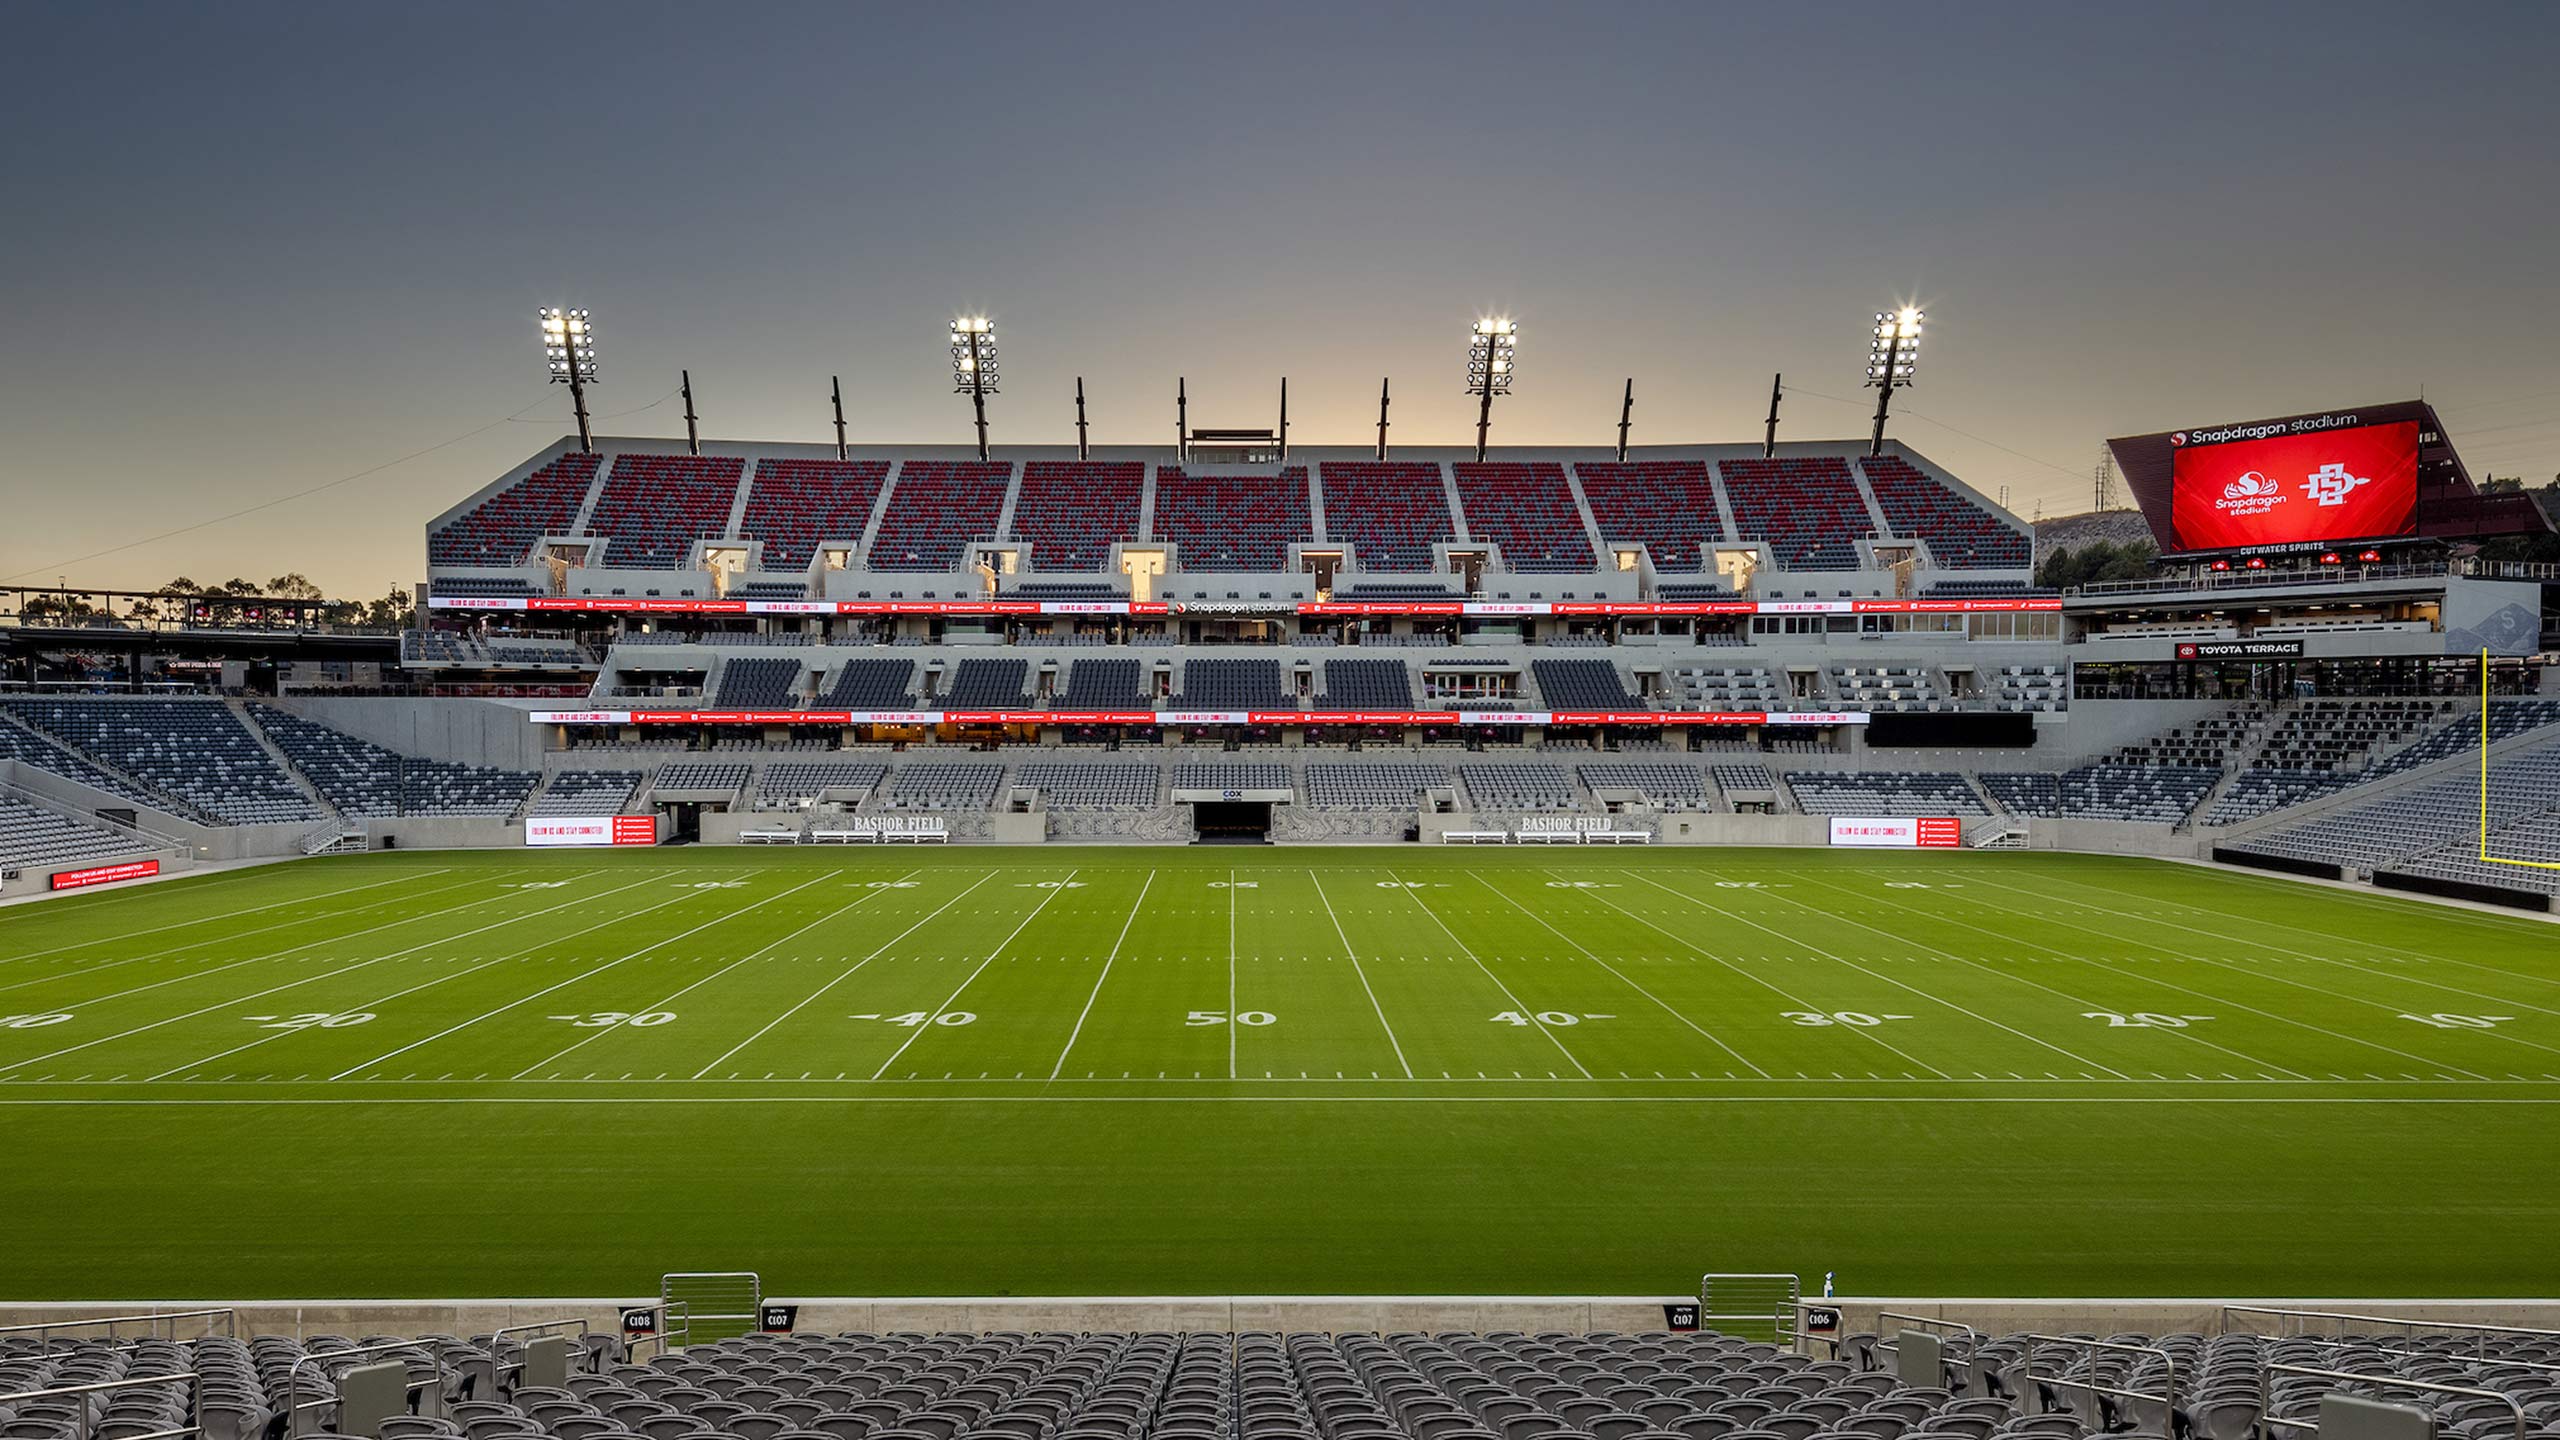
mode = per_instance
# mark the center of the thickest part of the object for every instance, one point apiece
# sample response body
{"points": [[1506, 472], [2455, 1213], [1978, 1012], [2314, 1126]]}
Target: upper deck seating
{"points": [[945, 785], [985, 685], [873, 683], [1367, 685], [1961, 534], [1390, 513], [1230, 775], [757, 683], [1518, 785], [1582, 685], [1244, 521], [1234, 685], [936, 507], [655, 506], [792, 505], [501, 529], [1072, 511], [1528, 510], [1806, 508], [1669, 505], [1099, 684]]}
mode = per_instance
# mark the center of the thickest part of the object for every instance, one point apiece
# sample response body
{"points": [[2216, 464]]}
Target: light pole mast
{"points": [[1490, 346], [973, 367], [569, 345], [1890, 362]]}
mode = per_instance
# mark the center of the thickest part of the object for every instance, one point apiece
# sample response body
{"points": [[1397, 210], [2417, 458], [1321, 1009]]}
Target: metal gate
{"points": [[716, 1304], [1748, 1307]]}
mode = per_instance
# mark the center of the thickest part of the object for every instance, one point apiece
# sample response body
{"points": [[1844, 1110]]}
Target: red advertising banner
{"points": [[1374, 609], [1940, 832], [105, 874], [2322, 487]]}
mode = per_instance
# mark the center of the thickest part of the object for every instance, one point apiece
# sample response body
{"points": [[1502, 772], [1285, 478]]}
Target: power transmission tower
{"points": [[2102, 482]]}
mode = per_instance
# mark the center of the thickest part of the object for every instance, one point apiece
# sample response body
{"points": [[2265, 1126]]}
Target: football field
{"points": [[1100, 1071]]}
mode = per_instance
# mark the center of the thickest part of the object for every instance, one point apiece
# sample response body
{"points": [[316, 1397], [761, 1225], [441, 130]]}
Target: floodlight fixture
{"points": [[1893, 358], [569, 347], [973, 367], [1491, 346]]}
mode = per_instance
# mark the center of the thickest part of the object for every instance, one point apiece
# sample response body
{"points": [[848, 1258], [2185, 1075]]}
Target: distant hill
{"points": [[2069, 532]]}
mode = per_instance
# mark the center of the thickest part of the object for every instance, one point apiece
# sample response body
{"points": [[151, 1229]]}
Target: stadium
{"points": [[960, 929]]}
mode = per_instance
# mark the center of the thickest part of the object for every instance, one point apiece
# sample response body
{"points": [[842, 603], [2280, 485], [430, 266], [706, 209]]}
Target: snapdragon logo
{"points": [[2251, 494], [2330, 484]]}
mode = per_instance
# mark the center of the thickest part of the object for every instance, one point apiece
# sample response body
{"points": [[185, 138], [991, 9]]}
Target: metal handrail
{"points": [[2267, 1376], [231, 1322], [2168, 1395], [1973, 1337], [2397, 1322], [81, 1430]]}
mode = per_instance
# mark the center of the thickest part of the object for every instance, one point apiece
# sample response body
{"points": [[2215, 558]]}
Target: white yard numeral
{"points": [[2142, 1020], [537, 885], [603, 1019], [1858, 1018], [914, 1018], [1235, 884], [889, 885], [1400, 885], [1219, 1017], [1740, 885], [30, 1022], [310, 1020], [1546, 1017], [2460, 1022], [711, 885], [1580, 885]]}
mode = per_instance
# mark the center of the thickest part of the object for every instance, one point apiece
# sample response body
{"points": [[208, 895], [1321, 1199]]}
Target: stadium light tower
{"points": [[973, 367], [1489, 349], [569, 343], [1891, 361]]}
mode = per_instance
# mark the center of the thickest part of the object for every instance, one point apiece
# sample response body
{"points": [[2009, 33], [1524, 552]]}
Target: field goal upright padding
{"points": [[716, 1304], [1749, 1307]]}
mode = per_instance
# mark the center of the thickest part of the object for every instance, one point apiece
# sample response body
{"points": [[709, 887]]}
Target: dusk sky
{"points": [[254, 248]]}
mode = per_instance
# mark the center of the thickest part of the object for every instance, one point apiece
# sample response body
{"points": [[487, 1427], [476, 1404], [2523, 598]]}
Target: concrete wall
{"points": [[1622, 1313], [444, 832], [469, 732]]}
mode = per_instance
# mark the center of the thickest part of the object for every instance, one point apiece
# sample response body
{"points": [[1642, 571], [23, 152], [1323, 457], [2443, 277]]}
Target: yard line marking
{"points": [[2382, 1005], [448, 975], [1353, 952], [2397, 905], [200, 939], [1232, 1026], [272, 989], [841, 974], [1880, 975], [945, 1006], [254, 959], [1516, 1002], [602, 1031], [1791, 998], [2023, 980], [1632, 985], [1134, 907], [2220, 998], [572, 980], [876, 1099]]}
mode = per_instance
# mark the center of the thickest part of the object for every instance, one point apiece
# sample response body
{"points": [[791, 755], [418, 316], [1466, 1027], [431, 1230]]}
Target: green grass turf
{"points": [[1468, 1072]]}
